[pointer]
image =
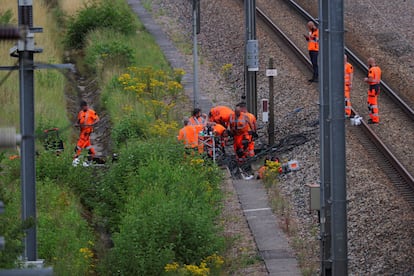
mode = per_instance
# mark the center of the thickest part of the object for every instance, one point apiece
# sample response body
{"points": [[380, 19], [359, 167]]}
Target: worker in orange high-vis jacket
{"points": [[86, 120], [313, 47], [374, 80], [188, 135], [220, 115], [349, 75], [253, 129], [239, 127], [198, 120]]}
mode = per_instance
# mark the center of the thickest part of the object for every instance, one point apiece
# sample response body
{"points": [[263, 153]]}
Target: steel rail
{"points": [[358, 62], [396, 164], [282, 35]]}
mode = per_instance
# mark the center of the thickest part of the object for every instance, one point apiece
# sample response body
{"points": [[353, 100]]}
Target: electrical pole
{"points": [[251, 56], [271, 72], [338, 164], [333, 165], [196, 30], [325, 147], [26, 50]]}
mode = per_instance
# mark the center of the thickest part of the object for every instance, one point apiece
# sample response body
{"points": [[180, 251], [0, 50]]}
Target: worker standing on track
{"points": [[86, 120], [349, 75], [189, 136], [239, 128], [220, 115], [373, 79], [313, 48]]}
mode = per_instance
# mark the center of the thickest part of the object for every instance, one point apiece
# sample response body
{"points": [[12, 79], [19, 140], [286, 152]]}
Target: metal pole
{"points": [[271, 127], [27, 170], [195, 55], [325, 170], [250, 73], [338, 167]]}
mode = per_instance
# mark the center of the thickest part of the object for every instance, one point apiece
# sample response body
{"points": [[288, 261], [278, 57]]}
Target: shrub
{"points": [[128, 175], [64, 237], [161, 206], [11, 227], [6, 17], [62, 232], [115, 15], [129, 127], [159, 229], [108, 52]]}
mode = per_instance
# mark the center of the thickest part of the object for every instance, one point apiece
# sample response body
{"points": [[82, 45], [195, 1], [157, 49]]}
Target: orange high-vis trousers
{"points": [[373, 102], [84, 142], [347, 101]]}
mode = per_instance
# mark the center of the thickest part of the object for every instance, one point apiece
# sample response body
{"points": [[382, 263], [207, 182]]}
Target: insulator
{"points": [[25, 15], [8, 137], [9, 32]]}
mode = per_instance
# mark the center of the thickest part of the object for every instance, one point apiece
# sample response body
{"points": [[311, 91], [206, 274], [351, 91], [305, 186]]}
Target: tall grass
{"points": [[63, 236], [48, 83], [71, 7]]}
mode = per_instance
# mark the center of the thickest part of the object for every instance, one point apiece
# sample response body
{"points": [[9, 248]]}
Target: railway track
{"points": [[399, 175]]}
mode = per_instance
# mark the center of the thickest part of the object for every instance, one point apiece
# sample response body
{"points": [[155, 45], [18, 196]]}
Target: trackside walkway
{"points": [[174, 57], [271, 242]]}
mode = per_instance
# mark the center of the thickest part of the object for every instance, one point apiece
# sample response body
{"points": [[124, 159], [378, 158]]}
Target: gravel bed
{"points": [[380, 223]]}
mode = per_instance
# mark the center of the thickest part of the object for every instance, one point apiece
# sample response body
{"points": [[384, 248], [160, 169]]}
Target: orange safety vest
{"points": [[375, 74], [189, 136], [239, 125], [349, 70], [199, 123], [219, 129], [313, 42], [253, 120], [87, 117]]}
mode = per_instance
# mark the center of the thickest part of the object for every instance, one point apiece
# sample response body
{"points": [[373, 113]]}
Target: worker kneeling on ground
{"points": [[189, 136]]}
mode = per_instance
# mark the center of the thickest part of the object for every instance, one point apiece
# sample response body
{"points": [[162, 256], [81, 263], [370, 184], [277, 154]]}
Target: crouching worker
{"points": [[189, 137], [86, 120]]}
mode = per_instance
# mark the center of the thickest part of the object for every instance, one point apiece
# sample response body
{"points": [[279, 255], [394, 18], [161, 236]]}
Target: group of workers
{"points": [[222, 122], [373, 78]]}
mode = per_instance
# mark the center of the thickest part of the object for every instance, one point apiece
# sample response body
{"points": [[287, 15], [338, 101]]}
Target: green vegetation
{"points": [[159, 207], [114, 15]]}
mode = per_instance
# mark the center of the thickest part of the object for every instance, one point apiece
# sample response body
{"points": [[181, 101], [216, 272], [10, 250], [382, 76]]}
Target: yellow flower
{"points": [[171, 267], [196, 270]]}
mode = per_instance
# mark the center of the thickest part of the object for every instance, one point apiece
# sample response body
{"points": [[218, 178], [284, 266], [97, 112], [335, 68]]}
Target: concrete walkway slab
{"points": [[271, 241]]}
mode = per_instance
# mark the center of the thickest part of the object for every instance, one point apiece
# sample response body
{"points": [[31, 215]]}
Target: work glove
{"points": [[253, 134]]}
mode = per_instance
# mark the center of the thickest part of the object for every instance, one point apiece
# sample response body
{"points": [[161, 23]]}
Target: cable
{"points": [[7, 75]]}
